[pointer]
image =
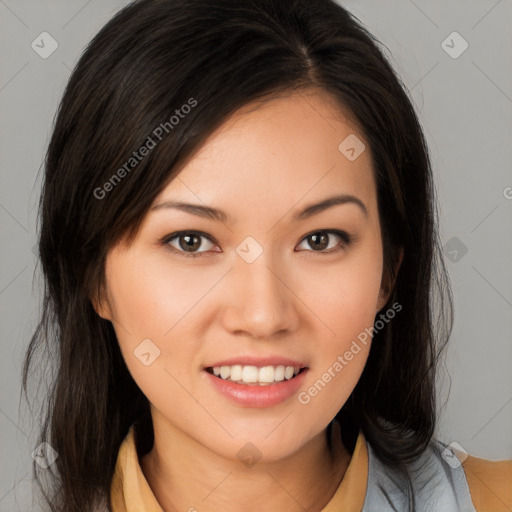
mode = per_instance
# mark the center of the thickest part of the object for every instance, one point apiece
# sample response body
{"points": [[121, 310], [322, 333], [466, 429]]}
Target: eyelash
{"points": [[346, 240]]}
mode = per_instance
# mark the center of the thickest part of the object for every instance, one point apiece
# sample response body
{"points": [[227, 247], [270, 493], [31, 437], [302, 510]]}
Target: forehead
{"points": [[290, 150]]}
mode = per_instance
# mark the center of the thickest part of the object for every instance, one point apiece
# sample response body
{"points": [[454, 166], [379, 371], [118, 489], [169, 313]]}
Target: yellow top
{"points": [[490, 483]]}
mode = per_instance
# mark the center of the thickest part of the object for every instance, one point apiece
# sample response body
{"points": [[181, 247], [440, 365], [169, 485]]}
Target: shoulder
{"points": [[490, 483], [443, 479]]}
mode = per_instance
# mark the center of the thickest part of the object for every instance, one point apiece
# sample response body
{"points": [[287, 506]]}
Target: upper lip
{"points": [[258, 361]]}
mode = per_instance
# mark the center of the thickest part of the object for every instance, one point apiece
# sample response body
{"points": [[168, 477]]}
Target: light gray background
{"points": [[465, 106]]}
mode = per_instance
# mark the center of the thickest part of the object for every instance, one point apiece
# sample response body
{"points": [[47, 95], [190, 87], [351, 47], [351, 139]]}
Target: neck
{"points": [[185, 475]]}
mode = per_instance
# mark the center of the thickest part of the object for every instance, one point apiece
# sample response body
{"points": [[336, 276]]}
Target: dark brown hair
{"points": [[153, 57]]}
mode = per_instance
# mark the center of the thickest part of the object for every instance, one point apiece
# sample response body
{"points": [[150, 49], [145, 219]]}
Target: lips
{"points": [[256, 394], [253, 381]]}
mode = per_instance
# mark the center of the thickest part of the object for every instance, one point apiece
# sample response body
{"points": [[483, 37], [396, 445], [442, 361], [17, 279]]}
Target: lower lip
{"points": [[258, 396]]}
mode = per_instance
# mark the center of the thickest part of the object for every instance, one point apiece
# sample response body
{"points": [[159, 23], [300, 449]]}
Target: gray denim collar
{"points": [[438, 481]]}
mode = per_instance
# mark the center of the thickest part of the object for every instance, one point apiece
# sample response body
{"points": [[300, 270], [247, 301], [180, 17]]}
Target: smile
{"points": [[253, 375]]}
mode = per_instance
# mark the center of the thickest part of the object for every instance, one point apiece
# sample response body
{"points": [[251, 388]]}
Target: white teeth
{"points": [[279, 373], [289, 371], [225, 371], [236, 372], [265, 375], [250, 374]]}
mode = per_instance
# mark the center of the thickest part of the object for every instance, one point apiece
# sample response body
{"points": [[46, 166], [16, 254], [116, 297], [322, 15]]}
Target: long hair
{"points": [[150, 60]]}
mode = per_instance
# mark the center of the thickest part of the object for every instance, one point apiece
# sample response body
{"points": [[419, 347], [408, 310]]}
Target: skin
{"points": [[261, 166]]}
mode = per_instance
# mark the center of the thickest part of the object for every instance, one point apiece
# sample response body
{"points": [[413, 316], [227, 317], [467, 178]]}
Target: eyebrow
{"points": [[216, 214]]}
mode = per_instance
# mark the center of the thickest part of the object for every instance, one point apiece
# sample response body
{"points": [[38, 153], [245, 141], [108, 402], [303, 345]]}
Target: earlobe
{"points": [[383, 298], [388, 283], [100, 305]]}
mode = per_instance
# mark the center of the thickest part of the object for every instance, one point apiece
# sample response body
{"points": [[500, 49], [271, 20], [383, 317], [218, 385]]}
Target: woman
{"points": [[239, 244]]}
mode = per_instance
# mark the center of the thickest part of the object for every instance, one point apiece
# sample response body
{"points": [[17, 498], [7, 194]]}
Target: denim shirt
{"points": [[439, 484]]}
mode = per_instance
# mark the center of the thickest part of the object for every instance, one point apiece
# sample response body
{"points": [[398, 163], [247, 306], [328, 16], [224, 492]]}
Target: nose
{"points": [[261, 302]]}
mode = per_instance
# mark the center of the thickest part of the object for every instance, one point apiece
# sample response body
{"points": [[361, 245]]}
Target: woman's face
{"points": [[274, 281]]}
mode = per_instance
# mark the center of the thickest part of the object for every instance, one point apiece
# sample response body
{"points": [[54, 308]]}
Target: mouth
{"points": [[248, 375], [257, 382]]}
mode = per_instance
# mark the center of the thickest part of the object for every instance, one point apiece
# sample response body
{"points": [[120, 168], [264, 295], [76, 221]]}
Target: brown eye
{"points": [[188, 243], [319, 241]]}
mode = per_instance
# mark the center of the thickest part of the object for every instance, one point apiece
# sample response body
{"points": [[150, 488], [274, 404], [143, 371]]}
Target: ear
{"points": [[100, 303], [388, 282]]}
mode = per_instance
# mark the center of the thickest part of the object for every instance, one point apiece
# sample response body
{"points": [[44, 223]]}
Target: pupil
{"points": [[316, 236], [188, 243]]}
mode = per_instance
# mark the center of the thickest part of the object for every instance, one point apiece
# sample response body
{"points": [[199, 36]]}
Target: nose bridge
{"points": [[261, 304]]}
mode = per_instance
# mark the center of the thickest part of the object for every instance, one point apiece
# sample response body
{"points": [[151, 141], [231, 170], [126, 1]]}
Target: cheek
{"points": [[346, 303], [152, 301], [345, 295], [147, 299]]}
